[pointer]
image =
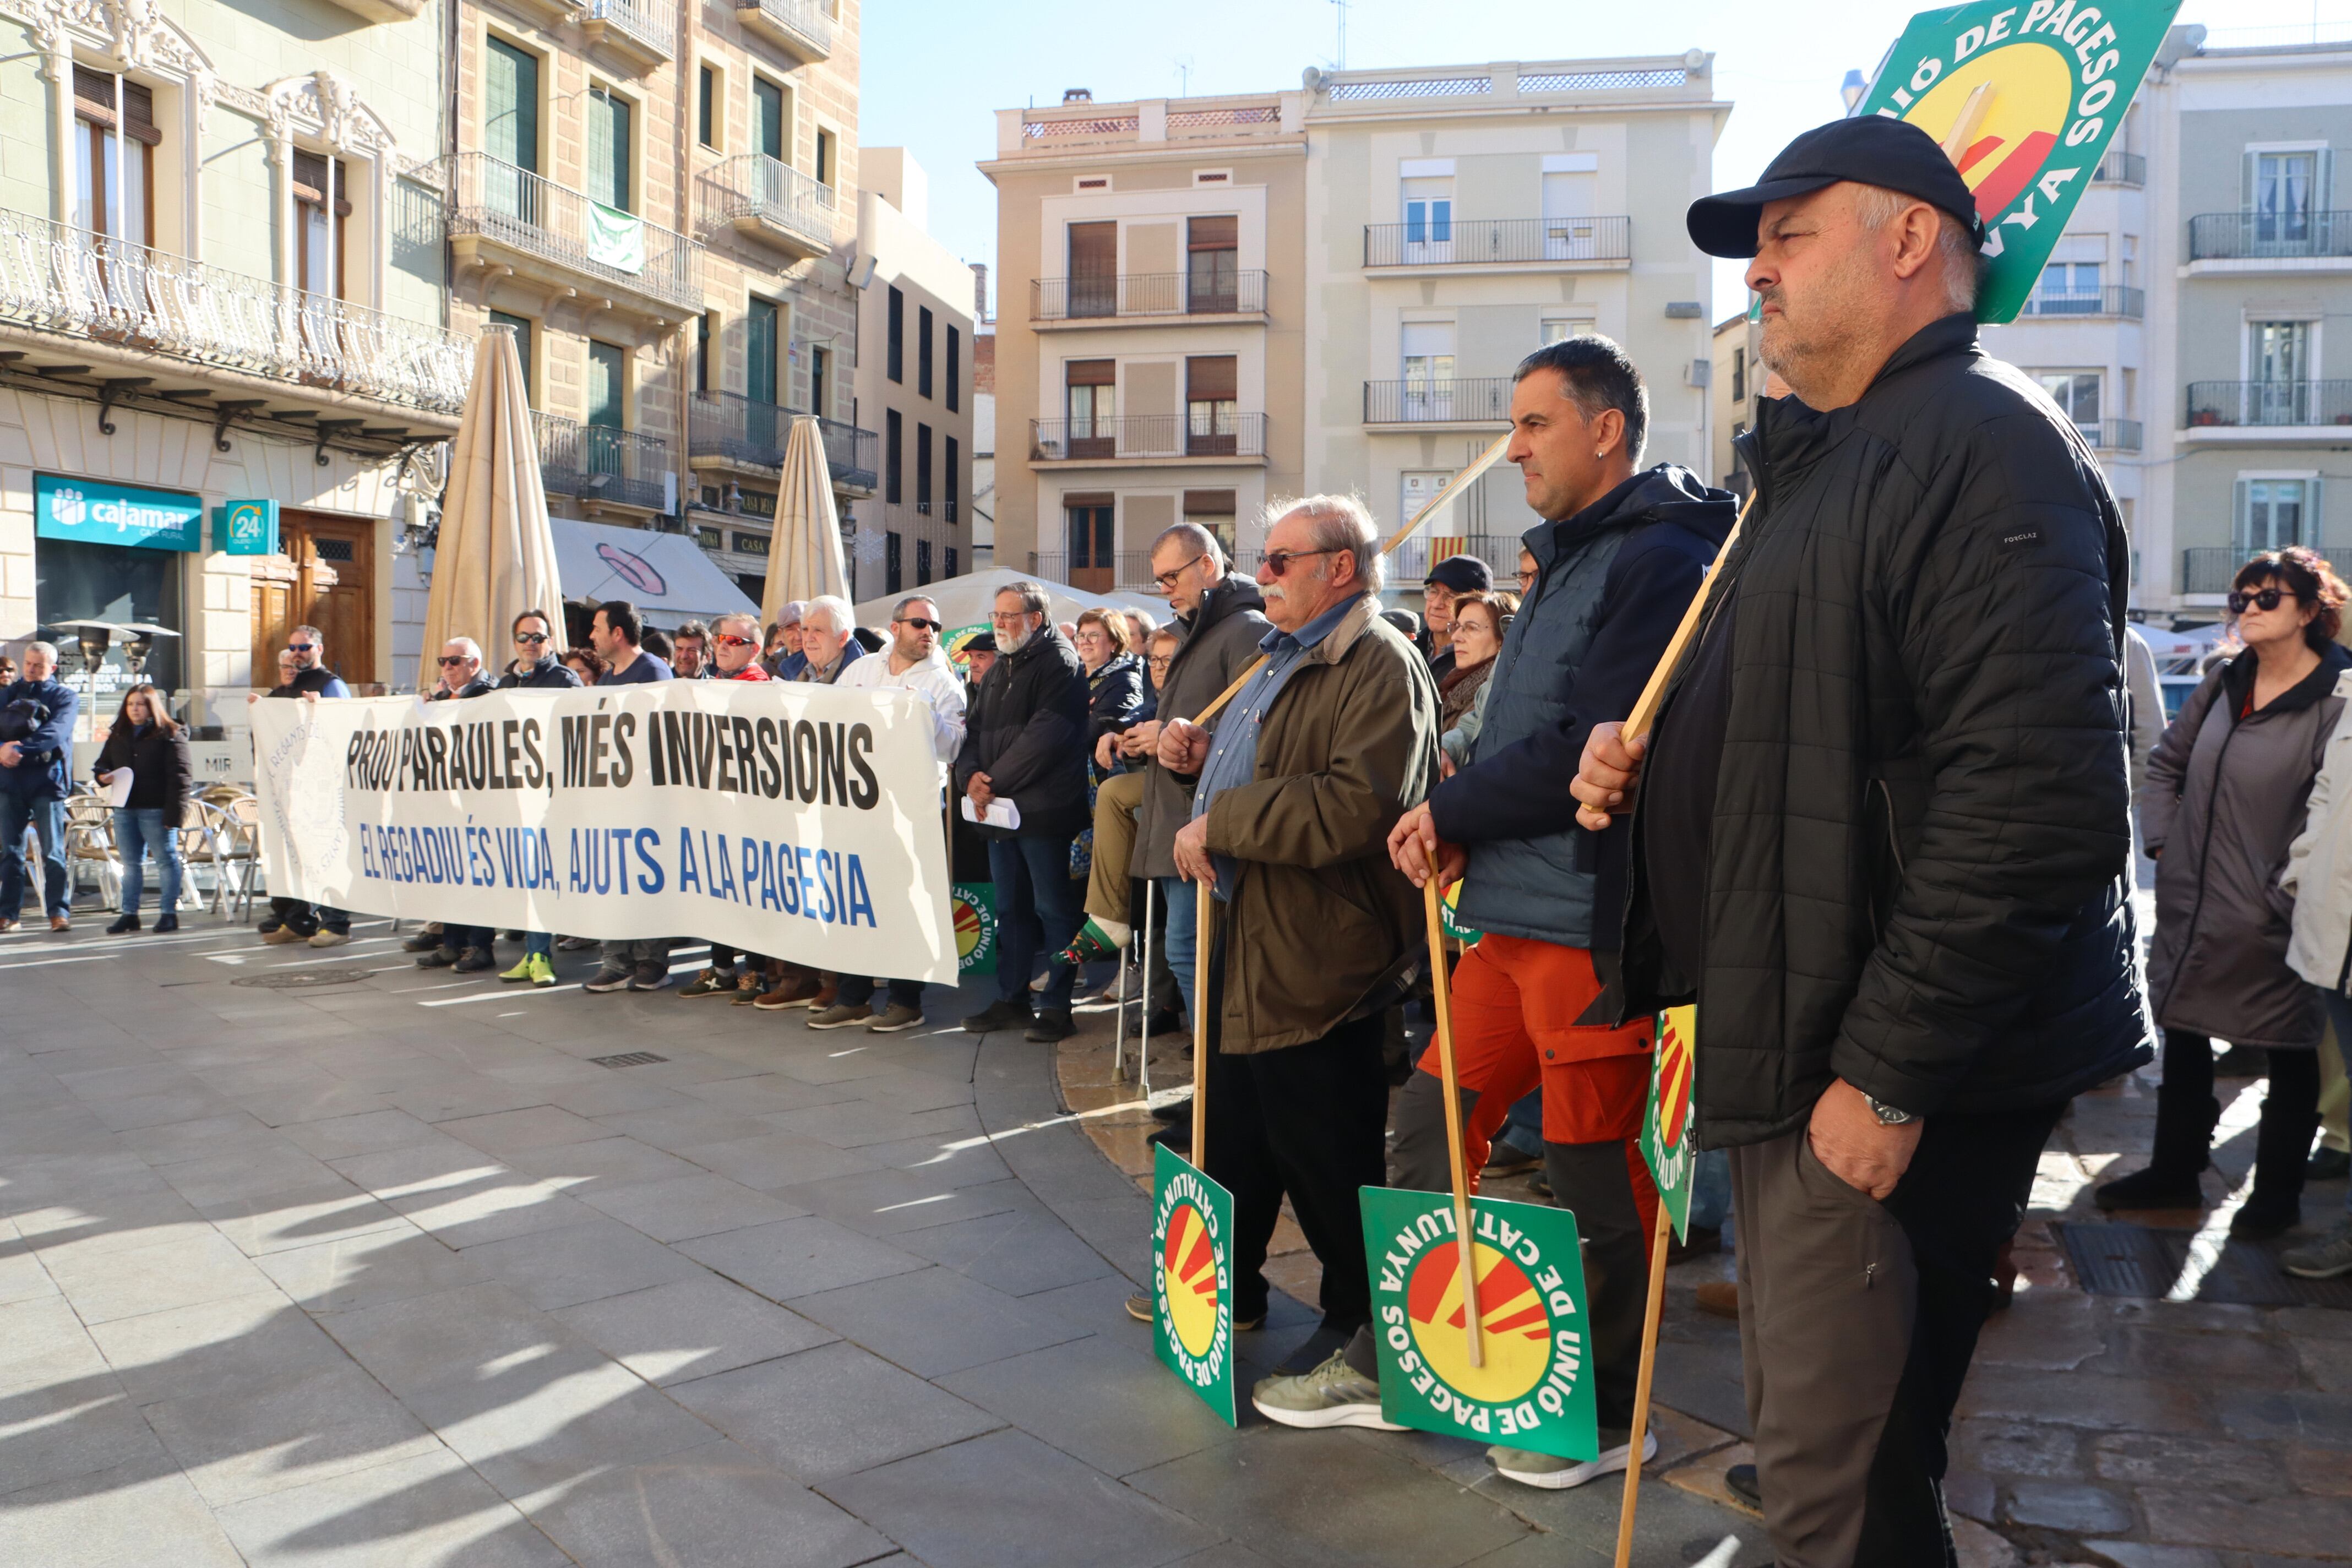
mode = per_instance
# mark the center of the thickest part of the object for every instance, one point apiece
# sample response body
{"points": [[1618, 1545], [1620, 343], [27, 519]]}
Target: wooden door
{"points": [[324, 577]]}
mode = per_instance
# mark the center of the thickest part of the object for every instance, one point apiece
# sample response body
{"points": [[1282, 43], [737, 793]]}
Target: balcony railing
{"points": [[853, 455], [1147, 435], [1410, 562], [1124, 571], [1474, 400], [1146, 294], [745, 430], [2274, 402], [2253, 236], [802, 26], [535, 215], [65, 279], [754, 186], [599, 464], [2209, 570], [650, 26], [1457, 242], [2114, 300], [2111, 435], [2117, 167]]}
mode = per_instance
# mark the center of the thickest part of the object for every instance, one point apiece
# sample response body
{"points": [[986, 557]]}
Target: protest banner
{"points": [[2025, 95], [1667, 1144], [800, 821], [974, 911], [1193, 1225]]}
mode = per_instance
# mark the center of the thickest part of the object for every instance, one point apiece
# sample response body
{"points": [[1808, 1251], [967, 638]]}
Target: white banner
{"points": [[795, 821]]}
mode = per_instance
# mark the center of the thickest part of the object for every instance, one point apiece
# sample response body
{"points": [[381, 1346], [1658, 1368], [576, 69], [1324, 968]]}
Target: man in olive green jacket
{"points": [[1316, 933]]}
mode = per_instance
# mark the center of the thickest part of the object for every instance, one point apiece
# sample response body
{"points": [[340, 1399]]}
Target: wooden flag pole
{"points": [[1204, 911], [1450, 1088], [1642, 1384], [1453, 486], [1645, 707]]}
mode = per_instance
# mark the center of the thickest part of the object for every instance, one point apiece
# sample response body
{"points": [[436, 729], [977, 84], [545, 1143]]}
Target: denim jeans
{"points": [[48, 817], [1038, 907], [857, 990], [540, 942], [136, 834], [2339, 1013], [626, 956], [1182, 945], [296, 915], [469, 939]]}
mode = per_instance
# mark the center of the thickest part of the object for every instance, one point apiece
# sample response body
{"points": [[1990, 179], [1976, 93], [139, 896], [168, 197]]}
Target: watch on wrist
{"points": [[1888, 1115]]}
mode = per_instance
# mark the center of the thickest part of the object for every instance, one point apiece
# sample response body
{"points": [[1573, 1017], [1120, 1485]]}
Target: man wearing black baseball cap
{"points": [[1447, 581], [1881, 830]]}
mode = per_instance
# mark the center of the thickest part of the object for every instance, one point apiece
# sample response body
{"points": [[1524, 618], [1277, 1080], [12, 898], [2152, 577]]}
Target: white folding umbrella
{"points": [[805, 546], [494, 557]]}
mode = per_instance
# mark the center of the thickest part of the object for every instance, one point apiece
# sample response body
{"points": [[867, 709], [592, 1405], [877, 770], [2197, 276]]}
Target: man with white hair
{"points": [[464, 948], [1317, 936], [828, 640], [36, 723], [914, 663]]}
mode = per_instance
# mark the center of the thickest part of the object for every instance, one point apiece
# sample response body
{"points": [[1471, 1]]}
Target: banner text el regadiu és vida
{"points": [[794, 821]]}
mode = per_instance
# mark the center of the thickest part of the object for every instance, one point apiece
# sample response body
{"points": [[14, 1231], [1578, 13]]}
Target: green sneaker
{"points": [[542, 972], [519, 973], [1553, 1473], [1333, 1394], [1096, 939]]}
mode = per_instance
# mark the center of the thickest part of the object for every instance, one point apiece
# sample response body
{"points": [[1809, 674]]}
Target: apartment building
{"points": [[220, 283], [1208, 326], [915, 383], [1736, 383]]}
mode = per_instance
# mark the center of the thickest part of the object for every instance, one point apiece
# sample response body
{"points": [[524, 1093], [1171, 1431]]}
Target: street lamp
{"points": [[1852, 90]]}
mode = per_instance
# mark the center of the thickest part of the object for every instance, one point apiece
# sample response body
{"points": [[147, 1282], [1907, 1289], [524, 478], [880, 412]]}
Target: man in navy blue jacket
{"points": [[36, 723]]}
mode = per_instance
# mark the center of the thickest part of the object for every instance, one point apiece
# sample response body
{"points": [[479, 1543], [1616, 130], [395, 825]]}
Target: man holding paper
{"points": [[1884, 836]]}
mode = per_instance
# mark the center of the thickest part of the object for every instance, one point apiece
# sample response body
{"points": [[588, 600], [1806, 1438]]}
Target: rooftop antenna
{"points": [[1183, 76], [1339, 62]]}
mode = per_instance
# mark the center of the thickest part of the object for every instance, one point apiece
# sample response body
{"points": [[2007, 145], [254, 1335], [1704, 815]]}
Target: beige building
{"points": [[1736, 383], [1208, 326]]}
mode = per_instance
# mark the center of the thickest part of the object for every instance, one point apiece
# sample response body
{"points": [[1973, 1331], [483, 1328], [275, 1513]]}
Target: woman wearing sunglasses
{"points": [[2226, 795]]}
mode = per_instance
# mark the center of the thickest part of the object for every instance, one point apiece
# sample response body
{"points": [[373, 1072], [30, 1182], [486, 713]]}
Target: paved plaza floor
{"points": [[392, 1271]]}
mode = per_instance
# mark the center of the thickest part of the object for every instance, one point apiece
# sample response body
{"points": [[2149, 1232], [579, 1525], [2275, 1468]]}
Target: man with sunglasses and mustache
{"points": [[292, 920]]}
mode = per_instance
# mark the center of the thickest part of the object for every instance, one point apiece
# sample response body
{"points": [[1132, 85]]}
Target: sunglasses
{"points": [[449, 658], [1278, 561], [921, 625], [300, 647], [729, 639], [534, 638], [2263, 599]]}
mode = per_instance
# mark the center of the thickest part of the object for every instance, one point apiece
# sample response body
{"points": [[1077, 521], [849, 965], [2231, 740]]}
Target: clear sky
{"points": [[935, 72]]}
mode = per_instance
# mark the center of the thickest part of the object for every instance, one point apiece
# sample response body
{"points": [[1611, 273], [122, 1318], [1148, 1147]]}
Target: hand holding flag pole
{"points": [[1451, 1091]]}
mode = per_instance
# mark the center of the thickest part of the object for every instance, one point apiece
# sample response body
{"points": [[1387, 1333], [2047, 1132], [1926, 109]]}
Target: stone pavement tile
{"points": [[116, 1224], [691, 1327], [1321, 1498], [686, 1065], [2319, 1470], [978, 1504], [714, 1506], [1537, 1550], [428, 1511], [799, 1257], [416, 1168], [42, 1342], [216, 1347], [1099, 1306], [766, 1094], [114, 1519], [258, 1077], [2124, 1403], [173, 1141], [2321, 1420], [370, 1133], [843, 1056], [22, 1278], [887, 1202], [462, 1094], [935, 1322], [1671, 1525], [179, 1272], [189, 1104], [2299, 1323], [1018, 1253], [772, 1159], [678, 1128], [2237, 1470], [2140, 1554], [599, 1257], [2288, 1526], [831, 1411], [56, 1432], [127, 1081], [240, 1172], [1118, 1411], [2077, 1508], [607, 1160], [856, 1122], [278, 1107], [534, 1127], [2326, 1365], [2232, 1359], [104, 1169], [1226, 1555], [904, 1090], [274, 1222], [555, 1420], [1683, 1439], [259, 1437], [2053, 1330], [2023, 1449], [684, 1207], [490, 1203], [368, 1270], [544, 1069], [457, 1336], [954, 1162], [611, 1093]]}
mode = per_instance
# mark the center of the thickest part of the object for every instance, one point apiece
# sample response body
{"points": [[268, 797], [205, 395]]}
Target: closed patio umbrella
{"points": [[494, 557], [804, 547]]}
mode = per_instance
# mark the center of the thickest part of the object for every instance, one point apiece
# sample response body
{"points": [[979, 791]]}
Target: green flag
{"points": [[1667, 1142], [2058, 77], [1192, 1278], [1533, 1389]]}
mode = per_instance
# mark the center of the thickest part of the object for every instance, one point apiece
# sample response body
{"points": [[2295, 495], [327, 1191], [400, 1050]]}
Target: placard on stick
{"points": [[1535, 1387], [1667, 1143], [1192, 1278]]}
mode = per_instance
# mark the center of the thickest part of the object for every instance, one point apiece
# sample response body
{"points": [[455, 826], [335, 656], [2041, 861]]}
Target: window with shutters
{"points": [[1213, 510], [1213, 278], [521, 328], [2274, 512], [891, 568], [322, 212], [894, 356], [894, 435], [922, 350], [2077, 394], [609, 149], [511, 105], [769, 118], [1212, 414], [922, 562], [1091, 407], [923, 469], [821, 382], [952, 464], [706, 107], [955, 368], [1094, 268], [824, 157], [115, 138], [1091, 529], [950, 561], [608, 398], [706, 333], [762, 346]]}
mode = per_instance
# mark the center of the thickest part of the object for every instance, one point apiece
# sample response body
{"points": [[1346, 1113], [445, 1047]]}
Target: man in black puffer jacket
{"points": [[1884, 835]]}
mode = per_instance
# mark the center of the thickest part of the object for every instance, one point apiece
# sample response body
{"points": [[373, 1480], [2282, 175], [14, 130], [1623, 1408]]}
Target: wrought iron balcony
{"points": [[601, 466], [645, 30], [769, 200], [853, 455], [1468, 242], [2270, 403], [2269, 237], [2117, 167], [1124, 571], [2111, 435], [1465, 400], [2114, 300], [802, 28], [67, 281], [1146, 296], [1147, 435], [2206, 569], [547, 230], [732, 427]]}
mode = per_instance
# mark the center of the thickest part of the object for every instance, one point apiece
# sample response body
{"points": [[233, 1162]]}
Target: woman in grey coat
{"points": [[2226, 794]]}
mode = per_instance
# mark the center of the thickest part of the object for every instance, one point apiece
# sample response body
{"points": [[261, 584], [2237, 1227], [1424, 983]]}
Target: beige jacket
{"points": [[2318, 875]]}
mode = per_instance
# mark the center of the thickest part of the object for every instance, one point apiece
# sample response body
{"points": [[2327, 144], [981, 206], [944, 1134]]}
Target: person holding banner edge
{"points": [[464, 948], [535, 669], [1884, 838]]}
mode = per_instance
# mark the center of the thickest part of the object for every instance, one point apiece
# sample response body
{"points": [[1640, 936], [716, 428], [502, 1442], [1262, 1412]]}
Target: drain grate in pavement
{"points": [[2135, 1260], [627, 1059], [300, 979]]}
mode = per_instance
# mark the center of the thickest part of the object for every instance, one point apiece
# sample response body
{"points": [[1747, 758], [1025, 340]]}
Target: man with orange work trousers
{"points": [[1623, 554]]}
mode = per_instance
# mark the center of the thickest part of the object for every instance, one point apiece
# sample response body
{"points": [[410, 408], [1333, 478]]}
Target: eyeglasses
{"points": [[729, 639], [1160, 661], [1015, 619], [449, 658], [919, 624], [2261, 599], [1168, 579], [534, 638], [1527, 581], [1278, 561], [300, 647]]}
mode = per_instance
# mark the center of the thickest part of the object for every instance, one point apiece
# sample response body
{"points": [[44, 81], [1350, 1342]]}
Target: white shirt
{"points": [[933, 678]]}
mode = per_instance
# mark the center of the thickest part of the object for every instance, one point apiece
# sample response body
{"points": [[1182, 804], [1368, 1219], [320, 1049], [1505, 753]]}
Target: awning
{"points": [[665, 575]]}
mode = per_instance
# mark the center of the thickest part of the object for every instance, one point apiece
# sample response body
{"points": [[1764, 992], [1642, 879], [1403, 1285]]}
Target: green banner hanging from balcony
{"points": [[2026, 94], [615, 240]]}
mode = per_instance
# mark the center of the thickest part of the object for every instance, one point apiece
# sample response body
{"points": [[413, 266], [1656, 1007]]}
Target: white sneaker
{"points": [[1333, 1394], [1553, 1473]]}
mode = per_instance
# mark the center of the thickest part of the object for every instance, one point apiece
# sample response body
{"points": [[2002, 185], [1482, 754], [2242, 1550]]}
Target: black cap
{"points": [[979, 642], [1872, 150], [1461, 575]]}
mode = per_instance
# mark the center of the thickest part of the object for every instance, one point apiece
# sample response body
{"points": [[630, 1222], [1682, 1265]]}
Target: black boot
{"points": [[2184, 1140], [2282, 1147], [126, 921]]}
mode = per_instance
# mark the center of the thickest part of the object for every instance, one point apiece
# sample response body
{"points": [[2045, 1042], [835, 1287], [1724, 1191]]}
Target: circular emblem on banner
{"points": [[975, 928], [1192, 1328], [1673, 1087], [1189, 1260], [2024, 117], [1515, 1336]]}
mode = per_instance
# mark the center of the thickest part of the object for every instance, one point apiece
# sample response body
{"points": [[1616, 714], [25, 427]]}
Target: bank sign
{"points": [[96, 512], [2038, 88]]}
